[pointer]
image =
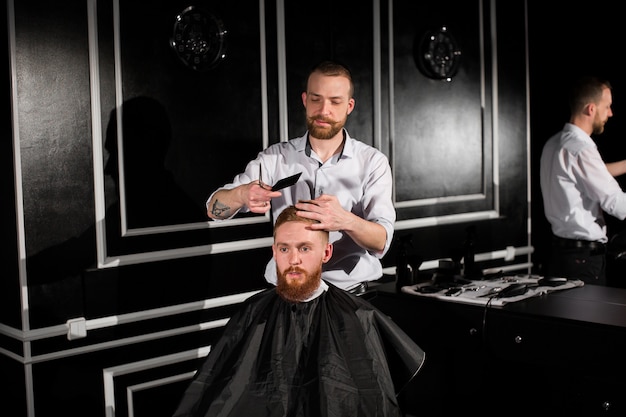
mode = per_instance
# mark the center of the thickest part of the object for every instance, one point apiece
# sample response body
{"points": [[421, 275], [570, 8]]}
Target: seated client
{"points": [[304, 347]]}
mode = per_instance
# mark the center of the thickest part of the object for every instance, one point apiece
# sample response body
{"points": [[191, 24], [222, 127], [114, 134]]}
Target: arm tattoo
{"points": [[220, 210]]}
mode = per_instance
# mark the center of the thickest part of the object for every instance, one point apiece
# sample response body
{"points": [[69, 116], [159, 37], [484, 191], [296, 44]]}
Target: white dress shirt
{"points": [[577, 187]]}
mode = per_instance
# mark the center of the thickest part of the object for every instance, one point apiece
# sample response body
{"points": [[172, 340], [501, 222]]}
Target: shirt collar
{"points": [[346, 149], [570, 127]]}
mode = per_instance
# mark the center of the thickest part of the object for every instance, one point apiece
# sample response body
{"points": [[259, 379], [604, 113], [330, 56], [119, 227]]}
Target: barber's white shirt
{"points": [[577, 187], [360, 177]]}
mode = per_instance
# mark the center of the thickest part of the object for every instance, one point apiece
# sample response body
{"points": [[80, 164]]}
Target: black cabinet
{"points": [[561, 353], [570, 367], [450, 334]]}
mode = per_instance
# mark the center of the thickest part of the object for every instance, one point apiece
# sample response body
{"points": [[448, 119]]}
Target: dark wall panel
{"points": [[190, 127], [435, 119], [344, 35], [53, 119]]}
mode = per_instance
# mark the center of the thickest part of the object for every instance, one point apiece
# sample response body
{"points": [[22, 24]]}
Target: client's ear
{"points": [[328, 252]]}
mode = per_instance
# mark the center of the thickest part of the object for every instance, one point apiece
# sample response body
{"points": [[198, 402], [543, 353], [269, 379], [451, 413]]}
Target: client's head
{"points": [[299, 252]]}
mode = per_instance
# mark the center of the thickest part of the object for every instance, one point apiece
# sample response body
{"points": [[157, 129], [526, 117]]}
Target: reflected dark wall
{"points": [[560, 51]]}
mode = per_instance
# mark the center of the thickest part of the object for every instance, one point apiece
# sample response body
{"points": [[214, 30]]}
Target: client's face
{"points": [[299, 254]]}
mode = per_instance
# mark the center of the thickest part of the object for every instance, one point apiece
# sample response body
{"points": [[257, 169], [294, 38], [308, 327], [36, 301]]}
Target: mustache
{"points": [[324, 119], [295, 269]]}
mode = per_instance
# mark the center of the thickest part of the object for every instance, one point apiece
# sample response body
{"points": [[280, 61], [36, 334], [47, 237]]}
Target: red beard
{"points": [[297, 291]]}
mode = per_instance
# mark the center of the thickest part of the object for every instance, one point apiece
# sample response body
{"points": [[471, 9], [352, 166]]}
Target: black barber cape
{"points": [[336, 355]]}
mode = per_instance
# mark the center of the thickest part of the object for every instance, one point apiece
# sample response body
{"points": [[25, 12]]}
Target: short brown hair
{"points": [[585, 90], [333, 69], [289, 214]]}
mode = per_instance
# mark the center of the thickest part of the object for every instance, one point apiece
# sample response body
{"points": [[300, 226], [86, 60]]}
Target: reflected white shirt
{"points": [[360, 177], [577, 187]]}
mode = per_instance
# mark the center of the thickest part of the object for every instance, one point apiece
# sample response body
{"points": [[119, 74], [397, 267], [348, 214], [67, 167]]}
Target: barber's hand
{"points": [[258, 197], [327, 210]]}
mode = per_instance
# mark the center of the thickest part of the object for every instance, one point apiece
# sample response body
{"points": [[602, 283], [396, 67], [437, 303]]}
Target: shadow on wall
{"points": [[150, 192], [152, 196]]}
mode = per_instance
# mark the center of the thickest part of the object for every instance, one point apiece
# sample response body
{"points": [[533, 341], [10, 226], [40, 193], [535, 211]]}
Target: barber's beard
{"points": [[598, 127], [300, 290], [324, 132]]}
